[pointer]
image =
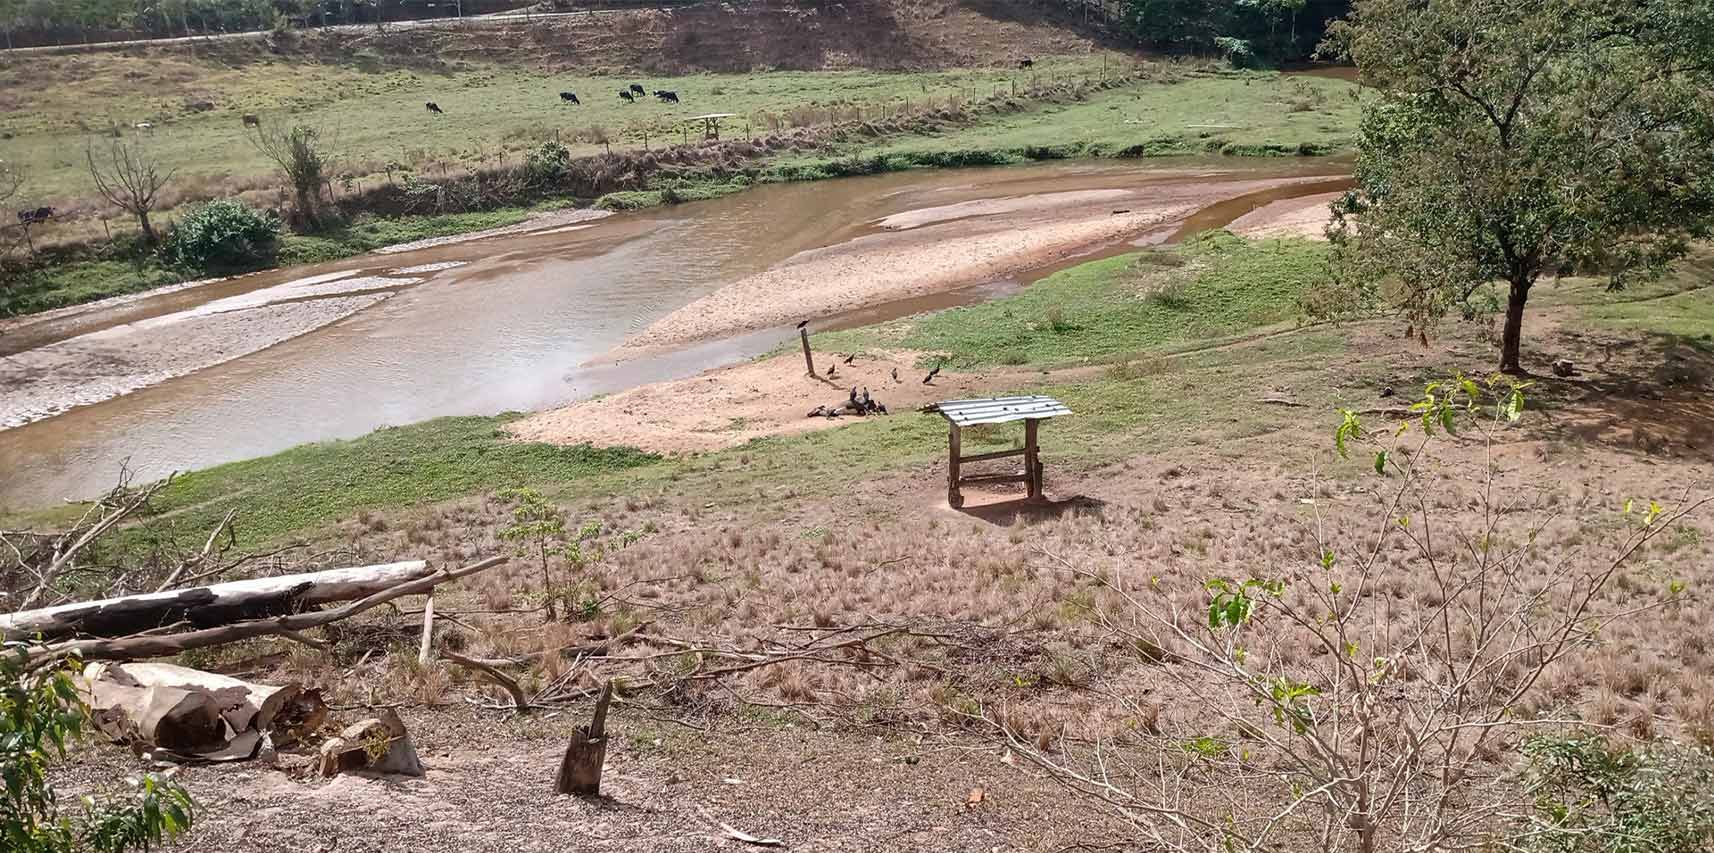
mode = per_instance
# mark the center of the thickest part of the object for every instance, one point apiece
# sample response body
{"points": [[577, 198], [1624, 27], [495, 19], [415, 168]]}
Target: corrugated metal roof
{"points": [[999, 410]]}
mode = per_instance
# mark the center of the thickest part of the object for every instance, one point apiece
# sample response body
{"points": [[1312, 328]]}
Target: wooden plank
{"points": [[998, 454], [981, 479], [808, 360]]}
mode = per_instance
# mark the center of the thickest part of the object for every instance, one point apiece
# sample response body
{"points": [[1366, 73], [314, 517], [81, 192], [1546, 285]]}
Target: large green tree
{"points": [[1515, 139]]}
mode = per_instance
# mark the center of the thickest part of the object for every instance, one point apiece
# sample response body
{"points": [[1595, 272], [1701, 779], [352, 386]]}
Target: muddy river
{"points": [[250, 366]]}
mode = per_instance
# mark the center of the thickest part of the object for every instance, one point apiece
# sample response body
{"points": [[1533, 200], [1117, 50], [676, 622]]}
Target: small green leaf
{"points": [[1380, 462]]}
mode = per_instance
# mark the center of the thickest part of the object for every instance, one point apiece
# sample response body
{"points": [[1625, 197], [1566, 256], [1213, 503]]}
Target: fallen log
{"points": [[207, 606], [192, 714], [134, 648]]}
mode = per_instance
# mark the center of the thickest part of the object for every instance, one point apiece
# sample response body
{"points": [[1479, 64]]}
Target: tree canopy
{"points": [[1516, 139]]}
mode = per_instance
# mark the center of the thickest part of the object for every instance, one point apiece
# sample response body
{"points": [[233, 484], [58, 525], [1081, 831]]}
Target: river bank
{"points": [[524, 321], [1078, 112]]}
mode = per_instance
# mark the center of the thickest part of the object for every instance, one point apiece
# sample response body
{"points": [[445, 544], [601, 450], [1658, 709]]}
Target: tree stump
{"points": [[580, 770]]}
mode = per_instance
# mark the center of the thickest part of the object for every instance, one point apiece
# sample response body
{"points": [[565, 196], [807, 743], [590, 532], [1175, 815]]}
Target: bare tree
{"points": [[127, 174], [1348, 718], [306, 157]]}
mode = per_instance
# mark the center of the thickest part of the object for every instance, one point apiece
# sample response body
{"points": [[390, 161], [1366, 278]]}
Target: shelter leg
{"points": [[954, 497], [1032, 452]]}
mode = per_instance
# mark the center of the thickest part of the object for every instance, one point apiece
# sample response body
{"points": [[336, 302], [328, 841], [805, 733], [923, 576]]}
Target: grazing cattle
{"points": [[638, 90], [569, 97], [626, 94], [1026, 62], [435, 108], [252, 120], [666, 97], [31, 217]]}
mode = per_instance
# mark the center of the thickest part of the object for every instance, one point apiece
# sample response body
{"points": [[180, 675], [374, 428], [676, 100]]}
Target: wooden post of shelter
{"points": [[1031, 410]]}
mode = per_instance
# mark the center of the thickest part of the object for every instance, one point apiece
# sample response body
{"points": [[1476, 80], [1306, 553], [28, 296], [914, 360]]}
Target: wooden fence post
{"points": [[808, 360]]}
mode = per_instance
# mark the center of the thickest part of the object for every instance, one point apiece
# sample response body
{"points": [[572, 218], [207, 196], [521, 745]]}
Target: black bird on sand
{"points": [[850, 358], [831, 369], [929, 379], [895, 374], [435, 108], [802, 323]]}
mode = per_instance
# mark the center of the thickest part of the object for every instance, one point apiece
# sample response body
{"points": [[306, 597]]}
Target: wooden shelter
{"points": [[1032, 410], [710, 123]]}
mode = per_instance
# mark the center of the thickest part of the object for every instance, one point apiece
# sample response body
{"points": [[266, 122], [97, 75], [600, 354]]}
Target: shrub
{"points": [[547, 165], [1593, 797], [39, 712], [223, 235]]}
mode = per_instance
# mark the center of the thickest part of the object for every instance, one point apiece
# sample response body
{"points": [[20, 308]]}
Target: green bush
{"points": [[221, 236], [1594, 797], [39, 713], [547, 165]]}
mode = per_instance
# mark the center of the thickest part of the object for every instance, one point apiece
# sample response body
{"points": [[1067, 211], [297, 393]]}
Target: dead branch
{"points": [[143, 647], [207, 606], [520, 703]]}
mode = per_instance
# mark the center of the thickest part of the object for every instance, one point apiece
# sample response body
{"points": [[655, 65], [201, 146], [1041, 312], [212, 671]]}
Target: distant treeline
{"points": [[1246, 31], [30, 23]]}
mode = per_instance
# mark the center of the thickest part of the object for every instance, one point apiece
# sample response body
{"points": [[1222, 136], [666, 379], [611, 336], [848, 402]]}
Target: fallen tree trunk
{"points": [[134, 648], [193, 714], [207, 606]]}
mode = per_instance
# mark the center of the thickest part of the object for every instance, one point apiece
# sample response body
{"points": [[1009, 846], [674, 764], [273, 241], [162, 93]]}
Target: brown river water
{"points": [[516, 322]]}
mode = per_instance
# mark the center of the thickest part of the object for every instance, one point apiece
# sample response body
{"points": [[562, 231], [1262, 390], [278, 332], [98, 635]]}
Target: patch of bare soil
{"points": [[1297, 217], [931, 250], [733, 405], [666, 788]]}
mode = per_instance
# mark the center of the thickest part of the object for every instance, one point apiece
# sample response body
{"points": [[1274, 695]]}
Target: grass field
{"points": [[1236, 113], [1209, 287], [377, 117]]}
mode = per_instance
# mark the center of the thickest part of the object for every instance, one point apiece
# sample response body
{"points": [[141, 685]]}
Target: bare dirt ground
{"points": [[934, 249], [732, 405], [665, 788]]}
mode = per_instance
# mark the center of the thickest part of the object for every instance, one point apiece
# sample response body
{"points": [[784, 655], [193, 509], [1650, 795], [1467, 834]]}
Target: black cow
{"points": [[637, 89], [31, 217], [626, 94], [435, 108], [569, 97], [666, 97], [1026, 62]]}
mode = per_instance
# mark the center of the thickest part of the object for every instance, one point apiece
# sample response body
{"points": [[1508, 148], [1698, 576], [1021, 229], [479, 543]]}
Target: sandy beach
{"points": [[934, 249], [1294, 217], [45, 381]]}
